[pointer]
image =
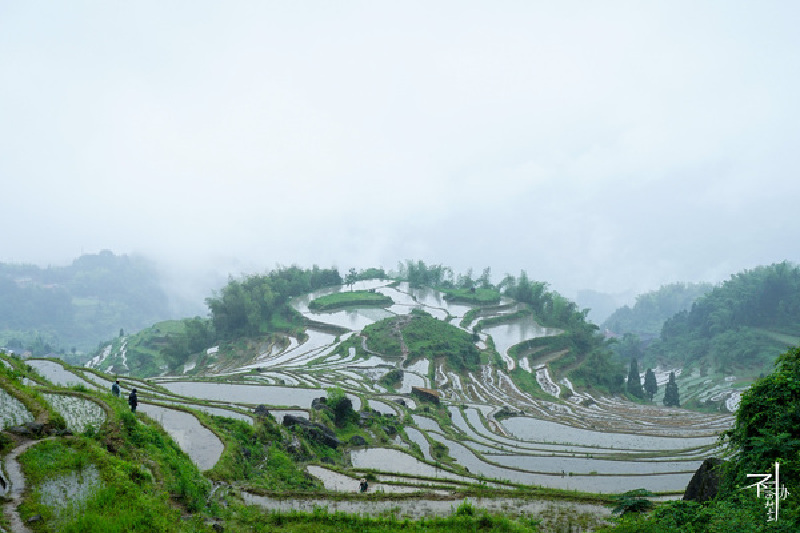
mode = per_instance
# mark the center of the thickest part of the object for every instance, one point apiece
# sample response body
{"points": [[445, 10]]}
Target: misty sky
{"points": [[604, 145]]}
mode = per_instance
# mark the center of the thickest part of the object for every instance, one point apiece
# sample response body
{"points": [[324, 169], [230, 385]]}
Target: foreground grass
{"points": [[465, 518], [146, 483], [126, 497], [743, 513]]}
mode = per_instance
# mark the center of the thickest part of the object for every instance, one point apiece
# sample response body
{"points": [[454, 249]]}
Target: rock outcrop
{"points": [[313, 431], [357, 440], [705, 481]]}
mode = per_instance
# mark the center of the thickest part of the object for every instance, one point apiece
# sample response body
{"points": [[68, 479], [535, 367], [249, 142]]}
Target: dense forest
{"points": [[250, 307], [72, 308], [740, 326]]}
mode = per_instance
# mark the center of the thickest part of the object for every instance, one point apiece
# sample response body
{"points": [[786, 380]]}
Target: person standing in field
{"points": [[133, 401]]}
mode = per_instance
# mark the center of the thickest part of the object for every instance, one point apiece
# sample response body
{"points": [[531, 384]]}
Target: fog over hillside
{"points": [[609, 146]]}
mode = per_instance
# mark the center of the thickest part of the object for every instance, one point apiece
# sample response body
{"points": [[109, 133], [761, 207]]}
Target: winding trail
{"points": [[17, 485]]}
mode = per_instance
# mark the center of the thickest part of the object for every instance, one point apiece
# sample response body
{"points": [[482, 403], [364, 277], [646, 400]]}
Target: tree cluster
{"points": [[671, 396], [258, 304], [634, 385], [650, 384], [253, 306]]}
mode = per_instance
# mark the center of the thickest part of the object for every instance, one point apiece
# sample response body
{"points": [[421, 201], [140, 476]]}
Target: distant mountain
{"points": [[601, 304], [652, 309], [71, 309]]}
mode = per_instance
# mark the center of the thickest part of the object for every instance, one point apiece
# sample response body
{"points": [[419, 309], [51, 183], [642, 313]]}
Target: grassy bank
{"points": [[343, 300]]}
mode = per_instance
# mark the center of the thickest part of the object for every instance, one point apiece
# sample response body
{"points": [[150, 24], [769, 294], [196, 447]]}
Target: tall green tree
{"points": [[351, 278], [671, 396], [634, 386], [485, 281], [650, 383]]}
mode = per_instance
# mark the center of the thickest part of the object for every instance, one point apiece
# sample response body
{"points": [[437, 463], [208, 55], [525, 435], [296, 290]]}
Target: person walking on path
{"points": [[133, 400], [115, 389]]}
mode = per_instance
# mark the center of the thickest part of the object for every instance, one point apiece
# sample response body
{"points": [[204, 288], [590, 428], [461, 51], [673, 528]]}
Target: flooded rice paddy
{"points": [[12, 411], [532, 429], [251, 394], [199, 443], [338, 482], [397, 462], [68, 491], [58, 375], [79, 413]]}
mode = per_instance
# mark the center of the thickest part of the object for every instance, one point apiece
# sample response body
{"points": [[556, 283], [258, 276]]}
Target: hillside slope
{"points": [[71, 309]]}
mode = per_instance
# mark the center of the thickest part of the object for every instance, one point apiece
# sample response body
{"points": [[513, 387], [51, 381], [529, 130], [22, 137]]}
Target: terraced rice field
{"points": [[584, 442], [12, 412], [79, 413]]}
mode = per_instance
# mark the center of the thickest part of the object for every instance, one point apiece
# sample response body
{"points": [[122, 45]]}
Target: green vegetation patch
{"points": [[392, 379], [341, 300], [526, 381], [124, 498], [503, 319], [257, 455], [544, 345], [472, 296], [429, 338]]}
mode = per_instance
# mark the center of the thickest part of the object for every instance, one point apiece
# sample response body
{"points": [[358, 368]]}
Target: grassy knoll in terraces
{"points": [[142, 354], [503, 319], [342, 300], [427, 337], [424, 337]]}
